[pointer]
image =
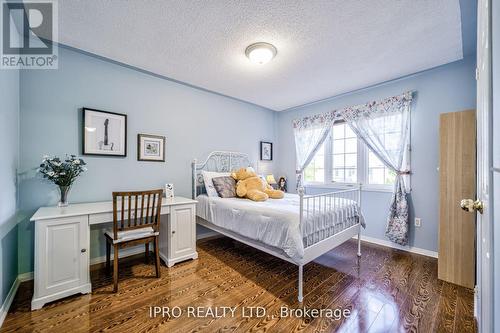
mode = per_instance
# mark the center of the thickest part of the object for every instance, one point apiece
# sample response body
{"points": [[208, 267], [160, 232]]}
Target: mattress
{"points": [[275, 222]]}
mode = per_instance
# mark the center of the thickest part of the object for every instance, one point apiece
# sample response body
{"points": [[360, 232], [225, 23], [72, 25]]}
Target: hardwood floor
{"points": [[385, 291]]}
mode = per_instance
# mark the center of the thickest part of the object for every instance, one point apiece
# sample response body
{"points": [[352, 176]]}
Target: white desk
{"points": [[62, 240]]}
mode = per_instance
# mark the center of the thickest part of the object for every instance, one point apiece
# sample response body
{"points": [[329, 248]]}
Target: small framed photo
{"points": [[104, 133], [266, 151], [150, 148], [169, 191]]}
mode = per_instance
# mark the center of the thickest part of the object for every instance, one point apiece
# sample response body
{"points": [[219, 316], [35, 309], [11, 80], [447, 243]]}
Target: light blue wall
{"points": [[195, 123], [468, 11], [447, 88], [9, 138]]}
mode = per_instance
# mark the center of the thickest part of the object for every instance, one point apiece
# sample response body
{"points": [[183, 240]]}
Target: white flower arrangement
{"points": [[61, 173]]}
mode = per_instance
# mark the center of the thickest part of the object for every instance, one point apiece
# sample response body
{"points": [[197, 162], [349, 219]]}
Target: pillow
{"points": [[209, 185], [225, 186]]}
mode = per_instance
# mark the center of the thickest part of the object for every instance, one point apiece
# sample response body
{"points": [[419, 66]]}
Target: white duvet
{"points": [[275, 222]]}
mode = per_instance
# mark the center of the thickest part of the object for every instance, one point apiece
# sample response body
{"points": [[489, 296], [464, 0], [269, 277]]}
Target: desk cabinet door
{"points": [[182, 240], [62, 256]]}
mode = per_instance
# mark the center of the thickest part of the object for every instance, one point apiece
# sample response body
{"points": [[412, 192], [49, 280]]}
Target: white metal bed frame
{"points": [[222, 161]]}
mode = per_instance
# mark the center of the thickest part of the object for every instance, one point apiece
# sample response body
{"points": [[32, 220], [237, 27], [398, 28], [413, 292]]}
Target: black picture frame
{"points": [[160, 138], [263, 154], [86, 150]]}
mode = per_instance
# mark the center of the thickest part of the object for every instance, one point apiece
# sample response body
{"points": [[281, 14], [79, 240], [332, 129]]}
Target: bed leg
{"points": [[359, 242], [301, 273]]}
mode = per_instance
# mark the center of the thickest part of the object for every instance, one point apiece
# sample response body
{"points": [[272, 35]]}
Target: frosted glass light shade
{"points": [[261, 53]]}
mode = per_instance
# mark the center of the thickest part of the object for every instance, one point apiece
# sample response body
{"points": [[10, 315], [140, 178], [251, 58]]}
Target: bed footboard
{"points": [[312, 206], [319, 205]]}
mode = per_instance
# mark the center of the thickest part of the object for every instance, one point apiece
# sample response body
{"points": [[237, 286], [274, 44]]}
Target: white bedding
{"points": [[275, 222]]}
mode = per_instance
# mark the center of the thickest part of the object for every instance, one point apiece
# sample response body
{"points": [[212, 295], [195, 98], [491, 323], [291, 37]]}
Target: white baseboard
{"points": [[4, 309], [121, 254], [390, 244], [25, 276]]}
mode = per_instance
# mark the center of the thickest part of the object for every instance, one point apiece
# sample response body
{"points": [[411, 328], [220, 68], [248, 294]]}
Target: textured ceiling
{"points": [[324, 47]]}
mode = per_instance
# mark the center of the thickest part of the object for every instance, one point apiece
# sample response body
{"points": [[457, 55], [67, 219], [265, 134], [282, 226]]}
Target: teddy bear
{"points": [[251, 186]]}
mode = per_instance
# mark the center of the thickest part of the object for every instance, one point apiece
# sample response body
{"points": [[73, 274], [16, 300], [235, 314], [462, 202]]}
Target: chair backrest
{"points": [[135, 210]]}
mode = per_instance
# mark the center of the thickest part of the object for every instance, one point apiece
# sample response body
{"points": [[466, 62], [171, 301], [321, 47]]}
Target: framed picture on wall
{"points": [[150, 148], [266, 151], [104, 133]]}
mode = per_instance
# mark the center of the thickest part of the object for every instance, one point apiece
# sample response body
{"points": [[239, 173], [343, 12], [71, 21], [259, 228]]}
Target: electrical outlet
{"points": [[418, 222]]}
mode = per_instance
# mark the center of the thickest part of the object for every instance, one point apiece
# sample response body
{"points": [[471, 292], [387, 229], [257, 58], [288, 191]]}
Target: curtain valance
{"points": [[390, 104], [317, 121], [382, 107]]}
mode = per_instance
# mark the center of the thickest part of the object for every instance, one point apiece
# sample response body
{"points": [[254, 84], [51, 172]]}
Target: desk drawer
{"points": [[108, 217], [100, 218]]}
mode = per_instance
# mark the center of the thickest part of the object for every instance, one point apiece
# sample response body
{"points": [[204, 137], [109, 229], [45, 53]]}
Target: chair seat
{"points": [[133, 234]]}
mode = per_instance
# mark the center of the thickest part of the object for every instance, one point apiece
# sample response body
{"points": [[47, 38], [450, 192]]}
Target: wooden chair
{"points": [[139, 224]]}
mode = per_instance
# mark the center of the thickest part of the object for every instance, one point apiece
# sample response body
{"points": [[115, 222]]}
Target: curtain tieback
{"points": [[404, 172]]}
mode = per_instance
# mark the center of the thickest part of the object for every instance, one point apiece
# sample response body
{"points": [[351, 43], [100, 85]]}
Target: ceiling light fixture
{"points": [[261, 53]]}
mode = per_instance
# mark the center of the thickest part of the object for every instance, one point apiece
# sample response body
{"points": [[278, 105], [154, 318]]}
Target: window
{"points": [[344, 154], [378, 173], [344, 159], [315, 171]]}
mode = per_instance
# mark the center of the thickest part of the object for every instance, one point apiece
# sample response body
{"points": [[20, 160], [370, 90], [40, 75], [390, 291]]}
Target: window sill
{"points": [[364, 188]]}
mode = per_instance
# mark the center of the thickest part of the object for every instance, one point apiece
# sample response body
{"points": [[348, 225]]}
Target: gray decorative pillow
{"points": [[225, 186]]}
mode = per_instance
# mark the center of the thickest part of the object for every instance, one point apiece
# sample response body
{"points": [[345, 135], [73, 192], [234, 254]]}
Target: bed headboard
{"points": [[218, 161]]}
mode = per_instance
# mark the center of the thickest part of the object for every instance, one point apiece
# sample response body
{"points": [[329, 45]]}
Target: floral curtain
{"points": [[384, 126], [310, 133]]}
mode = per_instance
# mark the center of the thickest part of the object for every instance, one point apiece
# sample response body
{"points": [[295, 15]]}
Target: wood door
{"points": [[457, 177]]}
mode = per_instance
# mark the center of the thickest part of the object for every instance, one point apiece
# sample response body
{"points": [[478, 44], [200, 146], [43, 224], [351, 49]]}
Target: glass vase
{"points": [[63, 201]]}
